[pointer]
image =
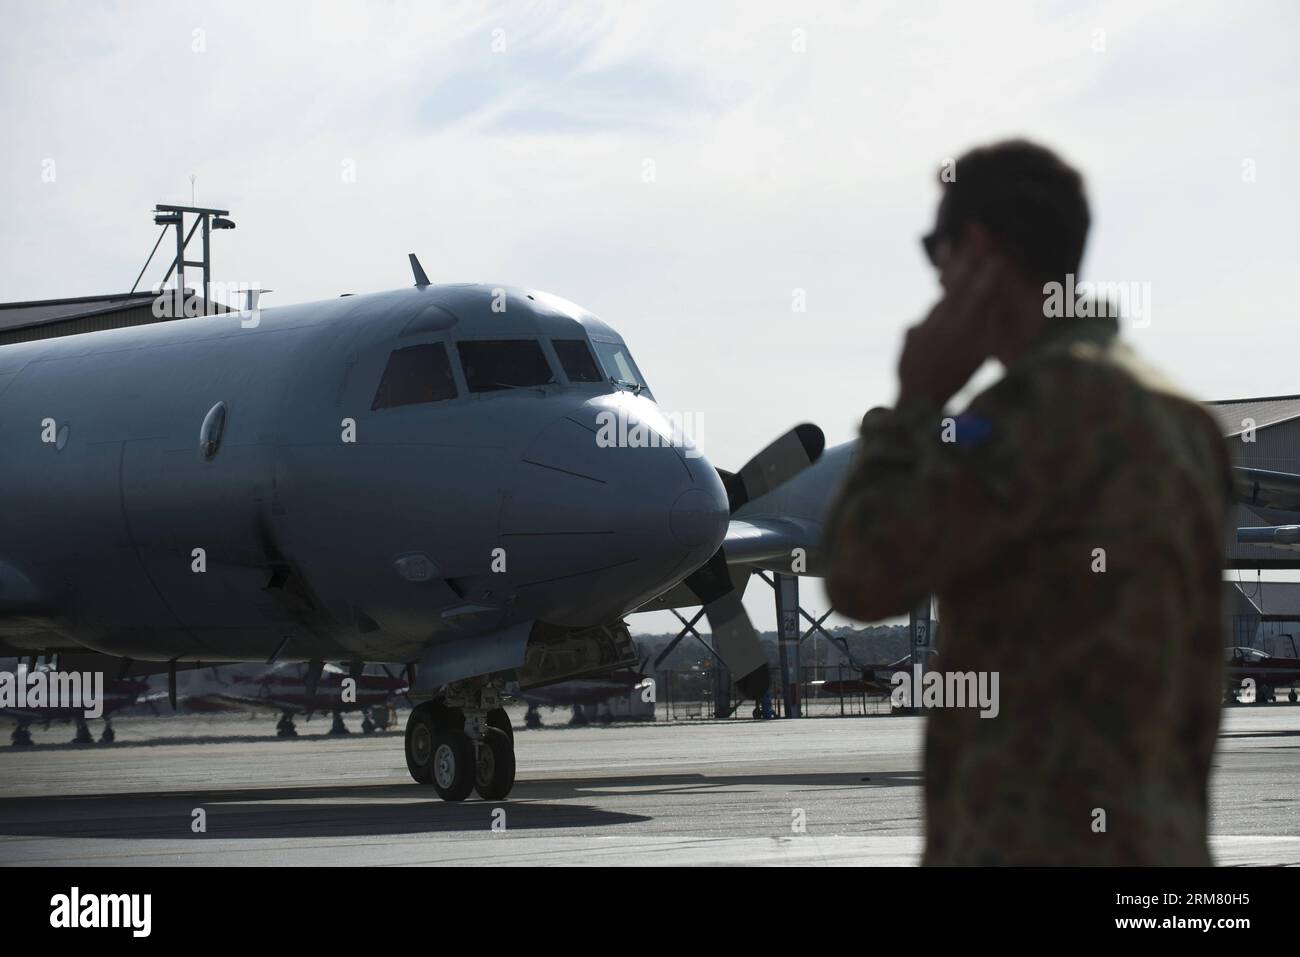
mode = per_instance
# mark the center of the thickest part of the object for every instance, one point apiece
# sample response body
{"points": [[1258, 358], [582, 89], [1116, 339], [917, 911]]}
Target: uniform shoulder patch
{"points": [[967, 430]]}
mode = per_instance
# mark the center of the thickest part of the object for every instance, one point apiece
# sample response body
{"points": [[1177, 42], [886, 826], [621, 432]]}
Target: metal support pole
{"points": [[920, 627], [690, 625], [180, 262], [787, 624], [207, 268]]}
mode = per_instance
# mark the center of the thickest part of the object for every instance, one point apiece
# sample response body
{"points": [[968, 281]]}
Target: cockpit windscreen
{"points": [[577, 360], [492, 364], [619, 365]]}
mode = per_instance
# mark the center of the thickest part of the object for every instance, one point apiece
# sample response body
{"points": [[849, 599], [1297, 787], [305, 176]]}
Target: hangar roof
{"points": [[15, 315], [1265, 411]]}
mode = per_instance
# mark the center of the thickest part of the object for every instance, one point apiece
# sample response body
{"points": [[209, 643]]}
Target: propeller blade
{"points": [[734, 638], [737, 643], [781, 461], [405, 694]]}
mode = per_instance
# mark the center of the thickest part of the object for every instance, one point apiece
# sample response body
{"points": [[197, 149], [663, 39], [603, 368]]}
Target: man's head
{"points": [[1025, 199]]}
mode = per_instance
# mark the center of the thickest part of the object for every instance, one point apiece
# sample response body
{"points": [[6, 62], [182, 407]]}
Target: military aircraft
{"points": [[415, 477], [621, 687], [292, 688], [1266, 672], [118, 694]]}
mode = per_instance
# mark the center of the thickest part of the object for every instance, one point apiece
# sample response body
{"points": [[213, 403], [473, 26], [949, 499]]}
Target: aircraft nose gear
{"points": [[338, 727], [460, 743], [284, 728], [21, 737], [108, 737]]}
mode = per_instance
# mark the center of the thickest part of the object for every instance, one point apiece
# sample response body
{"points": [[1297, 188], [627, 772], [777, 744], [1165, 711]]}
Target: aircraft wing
{"points": [[758, 540], [1267, 489], [1276, 536]]}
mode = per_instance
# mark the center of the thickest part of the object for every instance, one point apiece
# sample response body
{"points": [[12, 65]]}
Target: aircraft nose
{"points": [[698, 517], [609, 500]]}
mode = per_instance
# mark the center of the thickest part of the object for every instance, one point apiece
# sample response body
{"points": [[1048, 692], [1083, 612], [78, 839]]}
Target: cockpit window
{"points": [[492, 364], [577, 360], [416, 374], [618, 364]]}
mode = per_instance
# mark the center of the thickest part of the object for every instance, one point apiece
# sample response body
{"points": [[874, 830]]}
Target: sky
{"points": [[693, 173]]}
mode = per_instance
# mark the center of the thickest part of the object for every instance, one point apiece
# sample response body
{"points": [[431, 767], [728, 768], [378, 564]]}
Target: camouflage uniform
{"points": [[1111, 681]]}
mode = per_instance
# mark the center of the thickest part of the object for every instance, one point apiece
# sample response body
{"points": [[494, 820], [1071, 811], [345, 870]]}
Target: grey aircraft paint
{"points": [[318, 548]]}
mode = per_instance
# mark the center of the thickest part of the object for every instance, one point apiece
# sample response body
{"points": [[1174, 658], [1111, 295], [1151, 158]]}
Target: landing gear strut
{"points": [[338, 727], [461, 743], [83, 732], [284, 728], [108, 737]]}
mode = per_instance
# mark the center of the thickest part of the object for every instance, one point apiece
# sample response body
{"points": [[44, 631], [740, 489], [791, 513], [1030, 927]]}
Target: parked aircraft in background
{"points": [[290, 689], [619, 693], [118, 694], [1266, 672]]}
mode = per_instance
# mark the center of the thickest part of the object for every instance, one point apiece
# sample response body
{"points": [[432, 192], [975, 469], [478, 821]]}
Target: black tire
{"points": [[420, 732], [445, 718], [453, 764], [494, 766], [497, 718]]}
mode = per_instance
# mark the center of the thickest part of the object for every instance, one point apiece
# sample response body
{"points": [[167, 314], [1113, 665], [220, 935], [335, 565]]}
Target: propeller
{"points": [[405, 694], [781, 461], [734, 637]]}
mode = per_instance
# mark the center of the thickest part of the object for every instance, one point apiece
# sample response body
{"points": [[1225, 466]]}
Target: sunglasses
{"points": [[931, 242]]}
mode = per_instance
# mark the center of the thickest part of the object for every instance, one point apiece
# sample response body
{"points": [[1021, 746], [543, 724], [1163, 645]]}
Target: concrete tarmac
{"points": [[660, 794]]}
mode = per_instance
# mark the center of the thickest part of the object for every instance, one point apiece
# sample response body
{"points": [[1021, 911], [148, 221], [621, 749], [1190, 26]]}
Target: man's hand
{"points": [[941, 353]]}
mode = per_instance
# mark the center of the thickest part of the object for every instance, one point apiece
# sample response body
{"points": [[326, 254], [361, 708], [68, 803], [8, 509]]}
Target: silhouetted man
{"points": [[1071, 523]]}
